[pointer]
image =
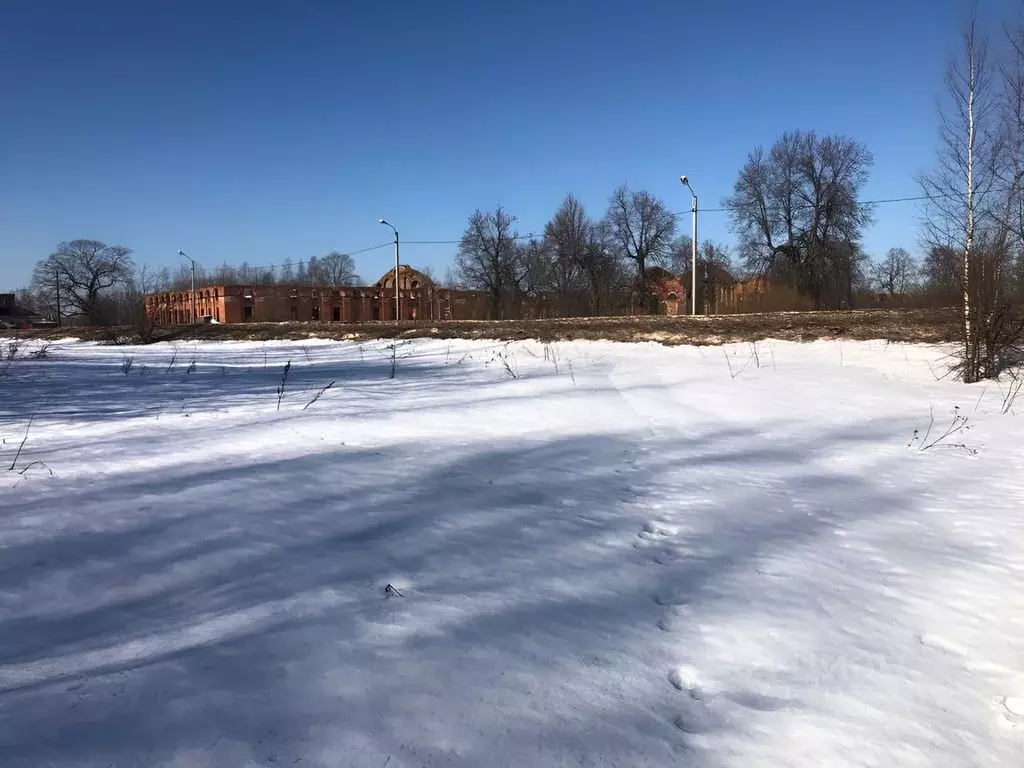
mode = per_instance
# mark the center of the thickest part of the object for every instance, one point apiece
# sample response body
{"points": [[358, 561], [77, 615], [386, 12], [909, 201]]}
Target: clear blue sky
{"points": [[264, 130]]}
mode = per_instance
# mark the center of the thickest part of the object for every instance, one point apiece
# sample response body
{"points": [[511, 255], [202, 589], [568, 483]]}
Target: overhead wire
{"points": [[531, 235]]}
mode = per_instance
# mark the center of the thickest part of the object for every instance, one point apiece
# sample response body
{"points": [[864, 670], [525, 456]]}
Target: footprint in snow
{"points": [[685, 679], [696, 723], [666, 556], [655, 528], [1013, 708], [759, 701], [670, 598], [675, 617], [655, 532], [695, 717], [668, 623]]}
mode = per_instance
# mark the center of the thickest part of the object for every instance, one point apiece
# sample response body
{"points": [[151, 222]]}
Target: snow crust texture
{"points": [[508, 554]]}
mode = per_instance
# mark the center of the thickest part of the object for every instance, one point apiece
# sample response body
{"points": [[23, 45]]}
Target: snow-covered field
{"points": [[623, 555]]}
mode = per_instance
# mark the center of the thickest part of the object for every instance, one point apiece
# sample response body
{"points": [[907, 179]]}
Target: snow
{"points": [[623, 555]]}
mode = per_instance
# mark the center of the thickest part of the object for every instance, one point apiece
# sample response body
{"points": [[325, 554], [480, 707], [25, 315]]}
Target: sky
{"points": [[260, 131]]}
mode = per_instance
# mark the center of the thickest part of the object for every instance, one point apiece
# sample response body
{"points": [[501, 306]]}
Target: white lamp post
{"points": [[398, 312], [693, 266], [186, 256]]}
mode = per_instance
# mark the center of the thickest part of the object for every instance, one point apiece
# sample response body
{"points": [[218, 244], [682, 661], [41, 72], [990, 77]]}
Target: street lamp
{"points": [[398, 312], [693, 266], [186, 256]]}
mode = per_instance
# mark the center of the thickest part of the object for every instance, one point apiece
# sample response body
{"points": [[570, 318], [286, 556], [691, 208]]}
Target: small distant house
{"points": [[13, 315]]}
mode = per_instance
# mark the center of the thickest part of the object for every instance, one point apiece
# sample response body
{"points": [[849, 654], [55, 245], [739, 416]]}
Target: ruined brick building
{"points": [[419, 299]]}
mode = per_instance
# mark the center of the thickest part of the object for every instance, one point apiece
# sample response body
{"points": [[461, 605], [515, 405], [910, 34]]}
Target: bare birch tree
{"points": [[967, 208]]}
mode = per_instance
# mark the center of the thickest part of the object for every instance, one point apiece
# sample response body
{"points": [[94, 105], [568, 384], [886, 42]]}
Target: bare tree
{"points": [[568, 237], [225, 274], [797, 213], [1010, 157], [709, 252], [641, 228], [533, 272], [128, 301], [287, 272], [452, 280], [941, 273], [429, 273], [606, 272], [1006, 152], [896, 274], [969, 210], [335, 269], [82, 270], [488, 258], [181, 278]]}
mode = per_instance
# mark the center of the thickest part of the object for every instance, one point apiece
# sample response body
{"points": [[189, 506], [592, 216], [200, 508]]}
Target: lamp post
{"points": [[186, 256], [398, 309], [693, 265]]}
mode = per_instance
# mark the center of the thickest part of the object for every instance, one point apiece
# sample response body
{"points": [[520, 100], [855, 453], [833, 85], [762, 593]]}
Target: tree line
{"points": [[90, 282], [796, 210], [585, 266]]}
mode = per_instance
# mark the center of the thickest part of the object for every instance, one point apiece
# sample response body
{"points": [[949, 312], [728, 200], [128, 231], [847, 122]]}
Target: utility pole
{"points": [[693, 265], [185, 255], [56, 284], [398, 306]]}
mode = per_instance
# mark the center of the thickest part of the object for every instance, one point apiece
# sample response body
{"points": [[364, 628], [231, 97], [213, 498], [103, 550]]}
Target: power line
{"points": [[371, 248], [532, 235]]}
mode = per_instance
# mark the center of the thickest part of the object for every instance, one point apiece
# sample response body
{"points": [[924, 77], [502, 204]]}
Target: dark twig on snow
{"points": [[729, 363], [503, 356], [958, 424], [1016, 384], [33, 464], [284, 381], [23, 441], [317, 396], [43, 353], [983, 391], [174, 356]]}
